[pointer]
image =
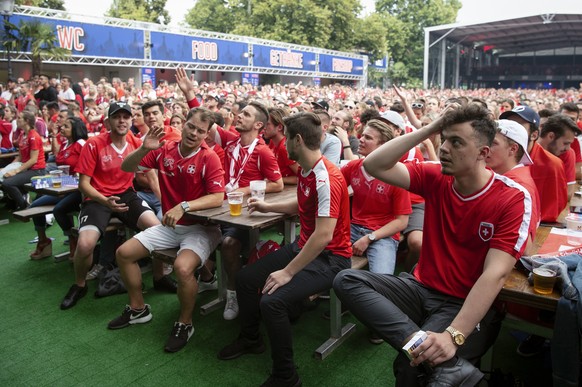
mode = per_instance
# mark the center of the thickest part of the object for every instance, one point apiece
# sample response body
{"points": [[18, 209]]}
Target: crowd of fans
{"points": [[228, 134]]}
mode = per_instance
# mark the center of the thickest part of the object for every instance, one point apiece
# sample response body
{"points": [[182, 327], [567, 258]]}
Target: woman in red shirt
{"points": [[31, 155], [75, 132]]}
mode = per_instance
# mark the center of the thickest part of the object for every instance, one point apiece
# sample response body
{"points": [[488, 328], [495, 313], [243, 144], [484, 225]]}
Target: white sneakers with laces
{"points": [[231, 307]]}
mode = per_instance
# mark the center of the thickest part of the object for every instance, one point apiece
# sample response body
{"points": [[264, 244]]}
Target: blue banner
{"points": [[281, 58], [341, 65], [85, 39], [251, 78], [186, 48], [380, 64], [148, 74]]}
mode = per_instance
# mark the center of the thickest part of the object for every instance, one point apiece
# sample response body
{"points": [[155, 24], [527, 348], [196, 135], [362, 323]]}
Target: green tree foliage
{"points": [[413, 16], [153, 11], [51, 4], [370, 36], [35, 37], [212, 15]]}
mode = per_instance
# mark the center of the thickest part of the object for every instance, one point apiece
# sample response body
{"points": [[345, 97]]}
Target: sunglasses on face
{"points": [[417, 105], [348, 107]]}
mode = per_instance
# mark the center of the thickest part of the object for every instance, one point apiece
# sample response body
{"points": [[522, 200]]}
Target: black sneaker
{"points": [[179, 337], [374, 338], [462, 374], [166, 284], [241, 346], [131, 316], [531, 346], [74, 294], [273, 381]]}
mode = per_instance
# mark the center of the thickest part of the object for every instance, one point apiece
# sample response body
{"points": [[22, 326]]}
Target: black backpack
{"points": [[110, 282]]}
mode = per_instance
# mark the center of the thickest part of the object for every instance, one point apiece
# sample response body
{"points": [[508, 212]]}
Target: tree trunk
{"points": [[36, 65]]}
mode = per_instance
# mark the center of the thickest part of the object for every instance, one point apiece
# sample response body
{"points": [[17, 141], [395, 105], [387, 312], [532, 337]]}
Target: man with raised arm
{"points": [[476, 226], [191, 178]]}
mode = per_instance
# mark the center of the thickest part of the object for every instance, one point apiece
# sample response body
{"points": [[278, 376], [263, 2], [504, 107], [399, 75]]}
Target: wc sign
{"points": [[70, 37]]}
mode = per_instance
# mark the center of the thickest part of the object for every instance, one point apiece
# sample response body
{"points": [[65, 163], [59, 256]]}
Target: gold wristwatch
{"points": [[458, 337]]}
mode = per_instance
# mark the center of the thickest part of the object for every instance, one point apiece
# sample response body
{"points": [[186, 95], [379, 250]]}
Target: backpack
{"points": [[110, 282], [261, 249]]}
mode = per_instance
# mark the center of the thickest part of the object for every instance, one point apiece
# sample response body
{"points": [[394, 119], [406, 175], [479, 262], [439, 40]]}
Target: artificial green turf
{"points": [[44, 346]]}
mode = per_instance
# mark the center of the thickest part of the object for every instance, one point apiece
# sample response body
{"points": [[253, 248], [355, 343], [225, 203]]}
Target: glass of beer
{"points": [[258, 188], [57, 178], [544, 275], [235, 200]]}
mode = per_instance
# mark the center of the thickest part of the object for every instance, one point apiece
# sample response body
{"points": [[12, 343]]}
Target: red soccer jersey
{"points": [[31, 142], [280, 152], [522, 176], [69, 154], [374, 203], [569, 160], [576, 148], [5, 131], [413, 155], [322, 193], [172, 134], [259, 165], [101, 161], [460, 230], [220, 153], [185, 178], [547, 172], [224, 137]]}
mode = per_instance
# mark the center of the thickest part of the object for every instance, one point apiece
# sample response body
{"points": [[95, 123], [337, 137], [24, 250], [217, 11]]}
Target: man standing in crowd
{"points": [[272, 288], [66, 95], [247, 158], [476, 226], [192, 178], [45, 92], [108, 191]]}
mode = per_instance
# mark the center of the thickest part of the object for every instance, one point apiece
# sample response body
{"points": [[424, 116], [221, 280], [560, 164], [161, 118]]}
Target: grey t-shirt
{"points": [[331, 148]]}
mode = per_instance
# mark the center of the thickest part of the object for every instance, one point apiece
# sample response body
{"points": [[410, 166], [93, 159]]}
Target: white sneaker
{"points": [[168, 269], [94, 272], [231, 308], [210, 285], [50, 219]]}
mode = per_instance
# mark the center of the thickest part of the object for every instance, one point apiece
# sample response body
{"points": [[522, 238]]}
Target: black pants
{"points": [[316, 277], [14, 186], [397, 306]]}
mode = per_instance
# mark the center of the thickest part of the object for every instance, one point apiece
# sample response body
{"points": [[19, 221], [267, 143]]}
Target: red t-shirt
{"points": [[5, 131], [101, 161], [576, 148], [185, 178], [374, 203], [460, 230], [260, 165], [413, 155], [547, 172], [223, 136], [522, 176], [220, 153], [322, 193], [69, 154], [29, 143], [280, 152], [172, 134], [569, 160]]}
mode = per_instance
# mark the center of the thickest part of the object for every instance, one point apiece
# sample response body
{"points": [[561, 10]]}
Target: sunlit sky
{"points": [[472, 10]]}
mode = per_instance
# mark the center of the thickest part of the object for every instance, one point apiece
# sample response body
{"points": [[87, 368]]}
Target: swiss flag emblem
{"points": [[485, 231]]}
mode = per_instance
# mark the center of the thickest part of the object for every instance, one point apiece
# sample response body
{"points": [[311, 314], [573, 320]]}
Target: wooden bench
{"points": [[31, 212], [338, 333], [113, 225]]}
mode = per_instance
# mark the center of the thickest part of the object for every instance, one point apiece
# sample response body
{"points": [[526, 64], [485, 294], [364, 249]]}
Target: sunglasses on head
{"points": [[417, 105]]}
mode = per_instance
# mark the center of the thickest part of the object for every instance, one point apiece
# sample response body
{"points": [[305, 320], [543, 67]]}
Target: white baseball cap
{"points": [[395, 118], [516, 132]]}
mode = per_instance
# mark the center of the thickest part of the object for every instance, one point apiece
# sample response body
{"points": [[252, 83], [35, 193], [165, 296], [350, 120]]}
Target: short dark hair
{"points": [[262, 114], [152, 103], [558, 124], [483, 126], [368, 114], [397, 107], [204, 114], [306, 124], [52, 105], [570, 107], [219, 119], [545, 113]]}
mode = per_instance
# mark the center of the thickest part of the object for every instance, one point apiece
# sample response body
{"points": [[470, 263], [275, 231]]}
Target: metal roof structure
{"points": [[510, 36]]}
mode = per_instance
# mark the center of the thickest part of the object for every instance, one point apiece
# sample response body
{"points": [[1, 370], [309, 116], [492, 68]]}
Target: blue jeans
{"points": [[152, 200], [381, 253], [62, 211]]}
